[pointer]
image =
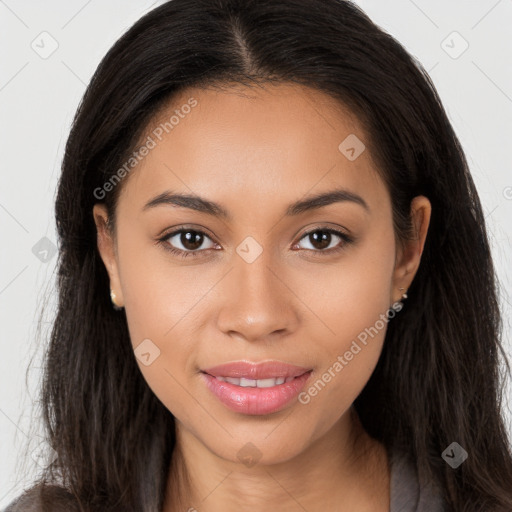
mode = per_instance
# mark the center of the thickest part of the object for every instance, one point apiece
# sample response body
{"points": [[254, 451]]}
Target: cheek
{"points": [[159, 301], [353, 303], [160, 334], [351, 294], [347, 357], [158, 292]]}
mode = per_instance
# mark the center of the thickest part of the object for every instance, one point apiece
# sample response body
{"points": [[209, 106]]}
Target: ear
{"points": [[409, 254], [108, 250]]}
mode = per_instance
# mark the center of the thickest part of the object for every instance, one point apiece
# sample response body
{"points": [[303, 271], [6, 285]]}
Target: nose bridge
{"points": [[256, 277], [257, 304], [253, 260]]}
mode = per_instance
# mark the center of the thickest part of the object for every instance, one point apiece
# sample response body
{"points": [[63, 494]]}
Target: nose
{"points": [[256, 302]]}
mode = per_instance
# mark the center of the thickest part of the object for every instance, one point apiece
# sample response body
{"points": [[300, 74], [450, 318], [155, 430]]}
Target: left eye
{"points": [[323, 238]]}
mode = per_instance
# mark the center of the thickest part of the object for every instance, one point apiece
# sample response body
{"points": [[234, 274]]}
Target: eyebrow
{"points": [[202, 205]]}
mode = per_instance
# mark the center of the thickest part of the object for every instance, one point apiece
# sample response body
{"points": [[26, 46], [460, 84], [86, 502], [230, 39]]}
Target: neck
{"points": [[344, 470]]}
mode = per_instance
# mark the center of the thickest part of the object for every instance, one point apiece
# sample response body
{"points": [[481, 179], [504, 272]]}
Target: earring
{"points": [[398, 305], [113, 299]]}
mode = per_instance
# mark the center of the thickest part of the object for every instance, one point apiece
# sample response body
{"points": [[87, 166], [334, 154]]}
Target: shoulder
{"points": [[43, 498], [404, 489], [408, 492]]}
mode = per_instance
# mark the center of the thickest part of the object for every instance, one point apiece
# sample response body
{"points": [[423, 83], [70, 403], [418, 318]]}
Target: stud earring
{"points": [[113, 299], [397, 306], [404, 296]]}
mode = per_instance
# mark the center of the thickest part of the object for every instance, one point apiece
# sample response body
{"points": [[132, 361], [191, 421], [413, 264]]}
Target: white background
{"points": [[38, 98]]}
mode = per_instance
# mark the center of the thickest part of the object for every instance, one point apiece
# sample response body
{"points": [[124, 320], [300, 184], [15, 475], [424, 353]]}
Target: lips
{"points": [[256, 388], [255, 400], [256, 371]]}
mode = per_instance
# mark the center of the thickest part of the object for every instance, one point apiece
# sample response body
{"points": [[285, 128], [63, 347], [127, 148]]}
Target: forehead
{"points": [[250, 144]]}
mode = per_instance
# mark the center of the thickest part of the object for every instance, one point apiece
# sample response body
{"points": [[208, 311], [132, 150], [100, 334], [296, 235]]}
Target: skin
{"points": [[254, 152]]}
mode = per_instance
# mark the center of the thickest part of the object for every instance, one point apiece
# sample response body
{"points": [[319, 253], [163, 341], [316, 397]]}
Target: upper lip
{"points": [[262, 370]]}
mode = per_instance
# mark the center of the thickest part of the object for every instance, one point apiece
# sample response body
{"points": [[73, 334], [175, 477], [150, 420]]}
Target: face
{"points": [[308, 285]]}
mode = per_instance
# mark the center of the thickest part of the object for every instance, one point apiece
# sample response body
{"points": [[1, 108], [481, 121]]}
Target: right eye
{"points": [[190, 240]]}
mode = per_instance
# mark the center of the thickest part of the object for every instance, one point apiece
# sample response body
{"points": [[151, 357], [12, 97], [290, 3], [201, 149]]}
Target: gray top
{"points": [[407, 495]]}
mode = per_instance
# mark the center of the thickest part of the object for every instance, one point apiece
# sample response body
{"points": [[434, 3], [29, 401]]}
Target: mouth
{"points": [[256, 389]]}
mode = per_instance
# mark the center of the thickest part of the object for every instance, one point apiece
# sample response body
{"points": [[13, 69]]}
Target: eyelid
{"points": [[166, 233]]}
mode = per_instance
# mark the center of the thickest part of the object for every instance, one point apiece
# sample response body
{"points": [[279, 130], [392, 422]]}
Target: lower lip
{"points": [[255, 401]]}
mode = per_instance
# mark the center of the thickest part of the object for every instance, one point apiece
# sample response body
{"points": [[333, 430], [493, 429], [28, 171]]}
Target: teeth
{"points": [[266, 383], [245, 383], [253, 383]]}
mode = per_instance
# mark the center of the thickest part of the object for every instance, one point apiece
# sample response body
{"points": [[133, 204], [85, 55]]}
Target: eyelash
{"points": [[185, 254]]}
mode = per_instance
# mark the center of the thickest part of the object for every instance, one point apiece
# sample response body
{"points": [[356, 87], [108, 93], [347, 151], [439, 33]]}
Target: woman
{"points": [[275, 285]]}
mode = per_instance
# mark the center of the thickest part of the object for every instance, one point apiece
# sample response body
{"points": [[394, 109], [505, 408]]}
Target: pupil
{"points": [[323, 240], [191, 240]]}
